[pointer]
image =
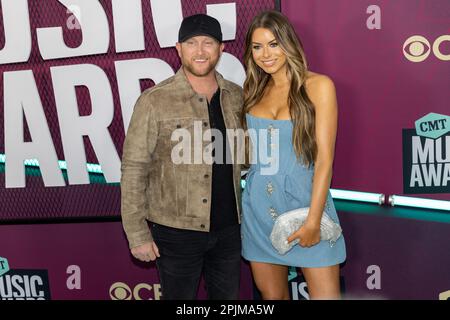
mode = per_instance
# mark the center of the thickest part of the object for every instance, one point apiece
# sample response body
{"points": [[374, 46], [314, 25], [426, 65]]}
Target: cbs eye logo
{"points": [[120, 291], [418, 48], [142, 291]]}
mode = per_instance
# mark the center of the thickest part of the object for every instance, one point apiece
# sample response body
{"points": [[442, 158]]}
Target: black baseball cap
{"points": [[199, 25]]}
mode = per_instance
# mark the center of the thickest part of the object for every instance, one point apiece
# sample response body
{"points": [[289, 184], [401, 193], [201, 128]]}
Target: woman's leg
{"points": [[271, 280], [323, 283]]}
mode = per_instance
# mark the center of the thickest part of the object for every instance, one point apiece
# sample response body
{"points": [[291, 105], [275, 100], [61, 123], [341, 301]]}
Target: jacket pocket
{"points": [[174, 127], [177, 136]]}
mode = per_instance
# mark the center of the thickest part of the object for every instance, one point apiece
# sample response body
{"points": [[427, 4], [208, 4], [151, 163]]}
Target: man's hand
{"points": [[146, 252]]}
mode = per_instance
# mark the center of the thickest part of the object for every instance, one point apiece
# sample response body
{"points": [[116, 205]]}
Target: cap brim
{"points": [[198, 34]]}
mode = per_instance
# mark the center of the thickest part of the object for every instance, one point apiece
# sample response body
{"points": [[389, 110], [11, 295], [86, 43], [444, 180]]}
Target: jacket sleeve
{"points": [[139, 144]]}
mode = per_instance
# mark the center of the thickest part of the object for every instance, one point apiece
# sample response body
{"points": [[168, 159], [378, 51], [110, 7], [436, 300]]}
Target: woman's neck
{"points": [[280, 79]]}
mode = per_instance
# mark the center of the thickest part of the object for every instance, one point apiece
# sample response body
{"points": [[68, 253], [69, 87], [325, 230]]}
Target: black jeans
{"points": [[185, 254]]}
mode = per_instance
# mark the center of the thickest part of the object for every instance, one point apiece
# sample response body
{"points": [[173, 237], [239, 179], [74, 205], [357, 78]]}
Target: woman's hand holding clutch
{"points": [[308, 235]]}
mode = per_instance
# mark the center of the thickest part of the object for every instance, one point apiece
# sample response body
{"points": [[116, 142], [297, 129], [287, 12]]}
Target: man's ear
{"points": [[221, 47], [178, 46]]}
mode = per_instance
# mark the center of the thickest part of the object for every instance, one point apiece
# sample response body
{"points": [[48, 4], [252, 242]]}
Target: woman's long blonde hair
{"points": [[301, 108]]}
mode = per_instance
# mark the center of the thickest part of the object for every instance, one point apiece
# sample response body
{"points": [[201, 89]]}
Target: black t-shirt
{"points": [[223, 200]]}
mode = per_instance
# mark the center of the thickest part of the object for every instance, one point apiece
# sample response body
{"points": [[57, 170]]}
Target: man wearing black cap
{"points": [[194, 208]]}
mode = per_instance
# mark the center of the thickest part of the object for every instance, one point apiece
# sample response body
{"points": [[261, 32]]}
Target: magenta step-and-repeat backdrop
{"points": [[72, 70], [390, 61]]}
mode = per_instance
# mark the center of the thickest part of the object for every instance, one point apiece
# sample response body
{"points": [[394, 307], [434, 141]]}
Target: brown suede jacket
{"points": [[153, 187]]}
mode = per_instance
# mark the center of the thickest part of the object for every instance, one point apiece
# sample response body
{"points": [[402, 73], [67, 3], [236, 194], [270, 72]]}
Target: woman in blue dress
{"points": [[291, 117]]}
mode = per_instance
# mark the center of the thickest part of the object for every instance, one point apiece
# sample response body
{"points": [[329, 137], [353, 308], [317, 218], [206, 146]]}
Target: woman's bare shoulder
{"points": [[316, 80], [319, 86]]}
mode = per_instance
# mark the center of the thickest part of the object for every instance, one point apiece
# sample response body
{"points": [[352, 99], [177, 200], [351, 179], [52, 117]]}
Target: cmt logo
{"points": [[4, 266], [426, 155], [142, 291], [418, 48], [433, 125]]}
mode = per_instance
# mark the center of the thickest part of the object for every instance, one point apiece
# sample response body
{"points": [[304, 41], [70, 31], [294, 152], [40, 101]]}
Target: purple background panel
{"points": [[412, 256], [379, 91], [99, 249]]}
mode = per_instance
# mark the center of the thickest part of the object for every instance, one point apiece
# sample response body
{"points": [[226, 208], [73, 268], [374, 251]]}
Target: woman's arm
{"points": [[322, 93]]}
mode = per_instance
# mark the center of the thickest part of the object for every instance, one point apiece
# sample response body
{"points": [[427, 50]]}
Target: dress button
{"points": [[202, 226], [206, 176], [200, 99], [178, 126], [205, 200], [205, 124]]}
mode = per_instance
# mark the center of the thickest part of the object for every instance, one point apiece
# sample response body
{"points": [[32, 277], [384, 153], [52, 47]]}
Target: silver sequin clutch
{"points": [[290, 221]]}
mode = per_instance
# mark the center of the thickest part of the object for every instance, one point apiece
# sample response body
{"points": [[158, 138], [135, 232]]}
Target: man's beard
{"points": [[189, 67]]}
